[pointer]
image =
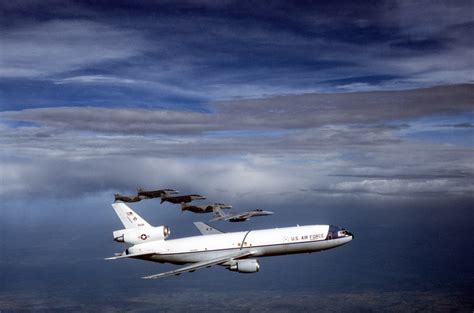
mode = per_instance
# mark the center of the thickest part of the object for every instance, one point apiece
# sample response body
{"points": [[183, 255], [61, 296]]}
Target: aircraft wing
{"points": [[199, 265], [206, 229], [227, 217], [241, 216]]}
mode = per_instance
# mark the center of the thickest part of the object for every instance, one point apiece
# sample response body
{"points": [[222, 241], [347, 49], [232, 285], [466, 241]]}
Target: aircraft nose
{"points": [[350, 234]]}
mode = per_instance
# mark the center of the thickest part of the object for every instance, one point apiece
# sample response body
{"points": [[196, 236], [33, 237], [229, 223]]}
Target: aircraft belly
{"points": [[312, 246], [283, 249]]}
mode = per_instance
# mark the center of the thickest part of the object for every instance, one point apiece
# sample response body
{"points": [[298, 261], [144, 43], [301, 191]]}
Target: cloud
{"points": [[460, 125], [312, 110], [39, 50], [95, 79], [402, 188], [297, 112], [233, 171], [116, 120], [304, 148]]}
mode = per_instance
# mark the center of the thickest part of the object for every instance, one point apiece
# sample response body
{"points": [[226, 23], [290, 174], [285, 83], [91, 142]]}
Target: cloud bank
{"points": [[341, 146], [297, 112]]}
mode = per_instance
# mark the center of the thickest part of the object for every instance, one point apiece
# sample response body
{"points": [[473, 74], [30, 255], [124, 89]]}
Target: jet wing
{"points": [[232, 216], [199, 265], [241, 216], [206, 229]]}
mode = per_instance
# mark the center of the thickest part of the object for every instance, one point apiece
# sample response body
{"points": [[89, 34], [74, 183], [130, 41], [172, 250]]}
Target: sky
{"points": [[355, 113]]}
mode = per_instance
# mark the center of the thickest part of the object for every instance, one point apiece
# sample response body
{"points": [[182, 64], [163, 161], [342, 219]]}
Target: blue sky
{"points": [[327, 113], [187, 54]]}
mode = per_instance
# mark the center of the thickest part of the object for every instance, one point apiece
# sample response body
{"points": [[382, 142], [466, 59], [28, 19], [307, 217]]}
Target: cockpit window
{"points": [[336, 232]]}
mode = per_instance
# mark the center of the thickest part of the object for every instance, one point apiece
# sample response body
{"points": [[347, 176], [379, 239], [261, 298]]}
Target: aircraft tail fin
{"points": [[128, 217]]}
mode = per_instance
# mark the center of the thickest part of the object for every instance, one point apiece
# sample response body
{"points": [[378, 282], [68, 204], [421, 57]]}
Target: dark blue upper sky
{"points": [[167, 54]]}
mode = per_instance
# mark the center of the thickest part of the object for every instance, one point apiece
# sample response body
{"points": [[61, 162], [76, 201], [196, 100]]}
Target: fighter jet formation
{"points": [[170, 195]]}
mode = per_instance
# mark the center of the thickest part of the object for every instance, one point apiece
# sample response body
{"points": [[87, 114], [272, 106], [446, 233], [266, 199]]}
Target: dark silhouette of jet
{"points": [[156, 193], [181, 199], [239, 217], [203, 208], [119, 197]]}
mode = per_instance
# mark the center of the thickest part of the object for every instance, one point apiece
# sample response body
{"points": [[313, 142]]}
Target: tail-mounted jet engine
{"points": [[245, 266], [143, 234]]}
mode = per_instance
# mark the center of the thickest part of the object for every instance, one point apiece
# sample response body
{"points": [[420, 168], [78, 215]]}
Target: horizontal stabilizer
{"points": [[123, 255], [206, 229]]}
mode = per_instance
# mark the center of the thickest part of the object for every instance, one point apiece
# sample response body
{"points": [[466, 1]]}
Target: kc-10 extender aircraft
{"points": [[237, 251]]}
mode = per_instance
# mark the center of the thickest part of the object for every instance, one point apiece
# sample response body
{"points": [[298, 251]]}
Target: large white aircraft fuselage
{"points": [[267, 242]]}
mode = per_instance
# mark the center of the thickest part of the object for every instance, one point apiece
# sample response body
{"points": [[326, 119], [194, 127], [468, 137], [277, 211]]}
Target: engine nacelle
{"points": [[140, 235], [245, 266]]}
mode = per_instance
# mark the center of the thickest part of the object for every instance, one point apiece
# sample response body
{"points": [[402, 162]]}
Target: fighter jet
{"points": [[236, 251], [240, 217], [181, 199], [203, 208], [156, 193], [119, 197]]}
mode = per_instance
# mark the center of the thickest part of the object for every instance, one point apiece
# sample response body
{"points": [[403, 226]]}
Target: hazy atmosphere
{"points": [[357, 114]]}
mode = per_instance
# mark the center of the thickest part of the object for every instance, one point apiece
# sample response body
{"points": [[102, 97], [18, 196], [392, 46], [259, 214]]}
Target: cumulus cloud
{"points": [[227, 170]]}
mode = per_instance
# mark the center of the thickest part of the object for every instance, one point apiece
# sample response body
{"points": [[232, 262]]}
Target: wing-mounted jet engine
{"points": [[137, 230], [244, 266]]}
